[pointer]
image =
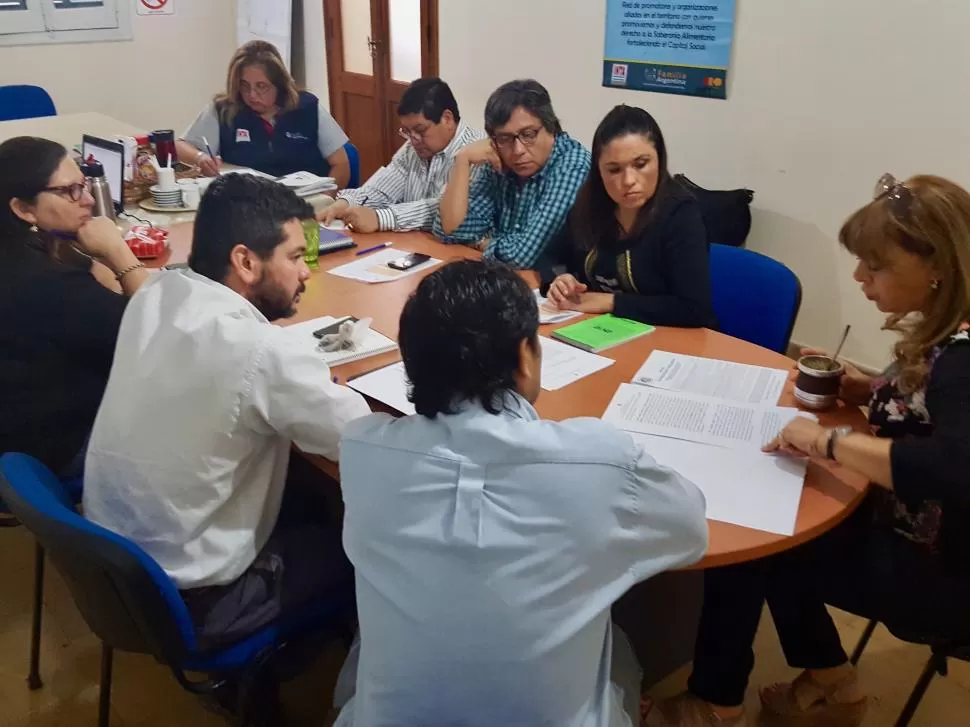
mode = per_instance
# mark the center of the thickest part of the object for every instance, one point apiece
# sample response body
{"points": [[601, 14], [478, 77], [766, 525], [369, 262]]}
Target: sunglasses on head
{"points": [[899, 195]]}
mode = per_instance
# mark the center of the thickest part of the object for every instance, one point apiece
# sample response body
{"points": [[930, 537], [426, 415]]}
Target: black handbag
{"points": [[727, 213]]}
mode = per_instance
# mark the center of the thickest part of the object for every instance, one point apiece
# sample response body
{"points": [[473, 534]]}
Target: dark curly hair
{"points": [[460, 334]]}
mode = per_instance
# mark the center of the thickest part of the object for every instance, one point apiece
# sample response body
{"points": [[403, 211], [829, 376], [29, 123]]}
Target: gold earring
{"points": [[935, 285]]}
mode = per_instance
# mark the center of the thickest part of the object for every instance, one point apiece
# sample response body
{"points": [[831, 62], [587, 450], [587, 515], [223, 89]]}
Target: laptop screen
{"points": [[111, 156]]}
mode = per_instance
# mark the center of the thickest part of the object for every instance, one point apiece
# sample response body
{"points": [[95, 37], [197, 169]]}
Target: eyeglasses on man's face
{"points": [[416, 133], [526, 136]]}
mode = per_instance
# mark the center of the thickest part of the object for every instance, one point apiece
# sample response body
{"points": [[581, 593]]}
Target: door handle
{"points": [[372, 45]]}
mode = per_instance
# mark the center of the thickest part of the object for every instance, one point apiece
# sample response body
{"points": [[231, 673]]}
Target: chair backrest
{"points": [[354, 156], [756, 298], [25, 102], [124, 595]]}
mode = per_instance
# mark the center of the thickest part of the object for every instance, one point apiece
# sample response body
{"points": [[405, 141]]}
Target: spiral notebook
{"points": [[333, 240]]}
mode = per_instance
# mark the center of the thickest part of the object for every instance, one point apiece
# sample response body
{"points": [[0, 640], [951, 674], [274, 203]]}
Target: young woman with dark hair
{"points": [[634, 245]]}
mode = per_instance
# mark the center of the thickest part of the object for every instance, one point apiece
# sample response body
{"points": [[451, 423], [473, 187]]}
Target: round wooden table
{"points": [[831, 492]]}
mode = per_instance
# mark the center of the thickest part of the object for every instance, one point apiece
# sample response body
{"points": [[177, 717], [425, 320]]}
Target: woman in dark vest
{"points": [[263, 122], [635, 244]]}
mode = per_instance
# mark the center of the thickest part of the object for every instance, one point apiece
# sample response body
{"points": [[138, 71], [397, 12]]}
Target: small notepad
{"points": [[602, 332], [375, 342]]}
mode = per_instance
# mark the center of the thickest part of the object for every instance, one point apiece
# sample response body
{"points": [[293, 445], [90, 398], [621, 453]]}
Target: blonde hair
{"points": [[934, 223], [256, 53]]}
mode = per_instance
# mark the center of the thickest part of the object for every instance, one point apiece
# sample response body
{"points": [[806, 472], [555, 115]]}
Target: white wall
{"points": [[314, 47], [824, 97], [160, 79]]}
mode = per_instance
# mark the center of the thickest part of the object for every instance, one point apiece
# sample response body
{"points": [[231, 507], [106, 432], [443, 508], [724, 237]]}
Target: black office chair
{"points": [[940, 651], [130, 603]]}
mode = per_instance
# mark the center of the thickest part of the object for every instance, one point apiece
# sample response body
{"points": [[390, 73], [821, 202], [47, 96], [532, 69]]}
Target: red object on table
{"points": [[147, 242]]}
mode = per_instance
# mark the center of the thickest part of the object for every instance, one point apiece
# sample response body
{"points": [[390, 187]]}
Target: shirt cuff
{"points": [[385, 219]]}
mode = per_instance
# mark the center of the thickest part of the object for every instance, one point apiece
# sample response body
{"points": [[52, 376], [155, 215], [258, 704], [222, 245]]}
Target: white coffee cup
{"points": [[166, 179], [191, 196], [203, 183]]}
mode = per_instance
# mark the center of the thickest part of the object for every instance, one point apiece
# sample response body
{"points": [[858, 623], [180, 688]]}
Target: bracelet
{"points": [[129, 269]]}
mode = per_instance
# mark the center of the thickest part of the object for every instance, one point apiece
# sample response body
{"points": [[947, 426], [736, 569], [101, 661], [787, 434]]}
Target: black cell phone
{"points": [[406, 262], [333, 327]]}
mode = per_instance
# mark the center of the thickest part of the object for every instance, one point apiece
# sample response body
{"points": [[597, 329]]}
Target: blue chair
{"points": [[131, 604], [25, 102], [756, 298], [73, 487], [354, 156]]}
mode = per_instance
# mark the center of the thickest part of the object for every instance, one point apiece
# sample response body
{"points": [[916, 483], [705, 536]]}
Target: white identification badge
{"points": [[242, 135]]}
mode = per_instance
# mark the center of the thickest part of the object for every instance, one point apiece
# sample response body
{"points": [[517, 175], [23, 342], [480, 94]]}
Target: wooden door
{"points": [[375, 48]]}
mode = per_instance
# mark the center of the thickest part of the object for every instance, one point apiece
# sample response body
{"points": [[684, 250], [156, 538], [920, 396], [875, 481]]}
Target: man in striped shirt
{"points": [[404, 195], [530, 173]]}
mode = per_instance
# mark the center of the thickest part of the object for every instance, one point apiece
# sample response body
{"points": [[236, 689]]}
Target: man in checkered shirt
{"points": [[531, 172]]}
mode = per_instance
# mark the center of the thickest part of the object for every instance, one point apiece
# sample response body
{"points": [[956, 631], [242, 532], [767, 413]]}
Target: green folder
{"points": [[600, 333]]}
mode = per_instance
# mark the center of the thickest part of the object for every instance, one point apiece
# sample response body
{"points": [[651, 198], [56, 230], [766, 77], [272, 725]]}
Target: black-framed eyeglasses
{"points": [[526, 136], [899, 195], [73, 192]]}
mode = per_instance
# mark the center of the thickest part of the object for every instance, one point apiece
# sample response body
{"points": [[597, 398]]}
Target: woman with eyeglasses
{"points": [[904, 556], [635, 244], [264, 122], [59, 321]]}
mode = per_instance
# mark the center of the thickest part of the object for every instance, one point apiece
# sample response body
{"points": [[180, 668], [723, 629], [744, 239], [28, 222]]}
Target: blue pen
{"points": [[208, 148], [376, 247]]}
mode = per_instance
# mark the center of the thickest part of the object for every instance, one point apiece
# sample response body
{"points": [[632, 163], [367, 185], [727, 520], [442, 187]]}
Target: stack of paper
{"points": [[306, 184], [715, 440], [562, 364], [712, 377], [388, 385]]}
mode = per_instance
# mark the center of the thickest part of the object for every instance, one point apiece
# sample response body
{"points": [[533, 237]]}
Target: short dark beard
{"points": [[272, 301]]}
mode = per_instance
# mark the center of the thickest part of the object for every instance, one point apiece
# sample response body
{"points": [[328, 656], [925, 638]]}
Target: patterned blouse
{"points": [[906, 418]]}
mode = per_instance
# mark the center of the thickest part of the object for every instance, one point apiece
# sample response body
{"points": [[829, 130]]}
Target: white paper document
{"points": [[751, 489], [372, 267], [563, 364], [388, 385], [696, 418], [711, 377], [549, 314]]}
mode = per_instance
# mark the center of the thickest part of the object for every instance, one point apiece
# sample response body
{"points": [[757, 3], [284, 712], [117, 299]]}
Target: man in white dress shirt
{"points": [[489, 544], [190, 448], [404, 195]]}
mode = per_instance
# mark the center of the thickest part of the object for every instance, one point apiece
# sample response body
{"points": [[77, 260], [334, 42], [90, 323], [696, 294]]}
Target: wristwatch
{"points": [[834, 436]]}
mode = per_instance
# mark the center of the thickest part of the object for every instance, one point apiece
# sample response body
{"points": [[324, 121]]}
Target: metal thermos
{"points": [[98, 188]]}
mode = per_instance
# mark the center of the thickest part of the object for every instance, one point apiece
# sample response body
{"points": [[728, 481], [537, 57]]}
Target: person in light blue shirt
{"points": [[489, 544]]}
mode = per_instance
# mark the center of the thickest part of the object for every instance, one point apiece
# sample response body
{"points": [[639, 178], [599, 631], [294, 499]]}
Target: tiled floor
{"points": [[145, 694]]}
